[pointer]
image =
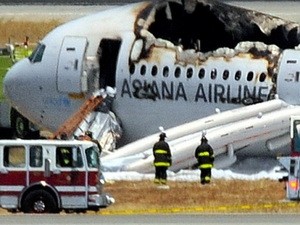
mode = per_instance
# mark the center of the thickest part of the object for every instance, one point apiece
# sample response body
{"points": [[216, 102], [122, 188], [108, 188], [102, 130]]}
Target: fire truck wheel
{"points": [[39, 201]]}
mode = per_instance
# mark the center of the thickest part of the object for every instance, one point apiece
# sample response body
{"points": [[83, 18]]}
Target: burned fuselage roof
{"points": [[214, 24], [194, 35]]}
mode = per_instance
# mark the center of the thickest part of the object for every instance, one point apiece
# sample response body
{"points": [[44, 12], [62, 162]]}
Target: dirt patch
{"points": [[220, 196], [16, 31]]}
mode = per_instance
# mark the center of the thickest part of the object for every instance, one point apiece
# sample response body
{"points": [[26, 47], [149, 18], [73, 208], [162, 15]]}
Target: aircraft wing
{"points": [[266, 123]]}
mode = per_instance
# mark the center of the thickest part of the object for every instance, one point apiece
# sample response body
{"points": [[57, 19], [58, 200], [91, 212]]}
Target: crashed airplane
{"points": [[188, 66]]}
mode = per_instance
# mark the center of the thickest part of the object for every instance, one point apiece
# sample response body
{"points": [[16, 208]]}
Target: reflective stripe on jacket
{"points": [[160, 151]]}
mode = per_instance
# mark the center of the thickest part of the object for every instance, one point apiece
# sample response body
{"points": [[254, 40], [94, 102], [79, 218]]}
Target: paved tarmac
{"points": [[161, 219], [284, 9]]}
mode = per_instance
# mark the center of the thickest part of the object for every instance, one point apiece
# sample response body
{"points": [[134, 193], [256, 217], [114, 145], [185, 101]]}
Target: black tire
{"points": [[19, 124], [39, 201]]}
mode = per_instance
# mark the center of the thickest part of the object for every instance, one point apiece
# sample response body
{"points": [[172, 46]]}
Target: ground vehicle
{"points": [[292, 163], [47, 176]]}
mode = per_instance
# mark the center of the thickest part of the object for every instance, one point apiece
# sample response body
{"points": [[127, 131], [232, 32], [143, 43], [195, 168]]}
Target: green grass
{"points": [[5, 63]]}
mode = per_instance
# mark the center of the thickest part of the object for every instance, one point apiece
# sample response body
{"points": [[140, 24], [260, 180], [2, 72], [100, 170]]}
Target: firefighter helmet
{"points": [[162, 135], [203, 139]]}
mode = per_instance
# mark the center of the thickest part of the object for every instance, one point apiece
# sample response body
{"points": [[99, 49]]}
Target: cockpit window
{"points": [[37, 54]]}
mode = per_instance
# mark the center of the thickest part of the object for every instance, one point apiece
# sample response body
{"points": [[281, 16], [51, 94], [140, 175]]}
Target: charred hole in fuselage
{"points": [[186, 29], [214, 25], [212, 29]]}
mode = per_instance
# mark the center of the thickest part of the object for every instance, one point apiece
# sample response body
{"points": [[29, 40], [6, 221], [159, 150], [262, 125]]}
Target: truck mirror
{"points": [[47, 172]]}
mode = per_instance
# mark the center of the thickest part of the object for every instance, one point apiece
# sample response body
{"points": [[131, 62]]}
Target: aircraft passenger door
{"points": [[70, 74], [108, 52]]}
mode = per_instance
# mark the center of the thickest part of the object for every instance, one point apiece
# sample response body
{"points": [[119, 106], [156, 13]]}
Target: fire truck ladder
{"points": [[71, 124]]}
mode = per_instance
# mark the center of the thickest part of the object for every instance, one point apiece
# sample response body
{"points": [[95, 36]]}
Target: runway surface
{"points": [[285, 9], [165, 219]]}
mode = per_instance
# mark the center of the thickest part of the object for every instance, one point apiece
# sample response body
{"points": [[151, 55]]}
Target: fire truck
{"points": [[48, 176], [291, 164]]}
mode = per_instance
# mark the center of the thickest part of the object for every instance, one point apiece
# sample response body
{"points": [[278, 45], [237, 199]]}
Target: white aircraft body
{"points": [[188, 66]]}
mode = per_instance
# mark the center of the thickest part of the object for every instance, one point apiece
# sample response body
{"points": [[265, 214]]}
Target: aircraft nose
{"points": [[15, 85]]}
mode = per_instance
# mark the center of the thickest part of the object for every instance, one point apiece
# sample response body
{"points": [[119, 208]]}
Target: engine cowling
{"points": [[288, 80]]}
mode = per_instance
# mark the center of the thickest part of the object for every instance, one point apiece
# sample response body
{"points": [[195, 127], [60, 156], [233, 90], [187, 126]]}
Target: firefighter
{"points": [[205, 156], [162, 159]]}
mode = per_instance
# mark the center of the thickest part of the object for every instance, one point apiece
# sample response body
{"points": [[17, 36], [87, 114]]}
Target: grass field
{"points": [[5, 63], [16, 31], [222, 196]]}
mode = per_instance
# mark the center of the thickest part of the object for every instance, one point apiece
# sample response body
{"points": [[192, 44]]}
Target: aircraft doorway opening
{"points": [[108, 54]]}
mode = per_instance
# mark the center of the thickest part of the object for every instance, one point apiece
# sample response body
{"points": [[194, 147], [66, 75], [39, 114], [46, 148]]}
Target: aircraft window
{"points": [[201, 73], [262, 77], [189, 73], [250, 76], [143, 70], [225, 74], [166, 71], [37, 54], [132, 69], [177, 72], [154, 71], [238, 75], [297, 76], [213, 74]]}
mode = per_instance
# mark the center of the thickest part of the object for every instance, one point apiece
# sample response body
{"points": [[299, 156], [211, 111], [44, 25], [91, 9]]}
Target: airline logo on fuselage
{"points": [[178, 91]]}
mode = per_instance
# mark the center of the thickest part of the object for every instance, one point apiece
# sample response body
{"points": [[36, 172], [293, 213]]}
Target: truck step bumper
{"points": [[100, 201]]}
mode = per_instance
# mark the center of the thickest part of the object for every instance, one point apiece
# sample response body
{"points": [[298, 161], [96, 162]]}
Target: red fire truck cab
{"points": [[47, 176]]}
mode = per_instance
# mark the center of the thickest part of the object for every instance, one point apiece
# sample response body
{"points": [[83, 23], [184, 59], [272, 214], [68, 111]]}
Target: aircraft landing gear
{"points": [[21, 126]]}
